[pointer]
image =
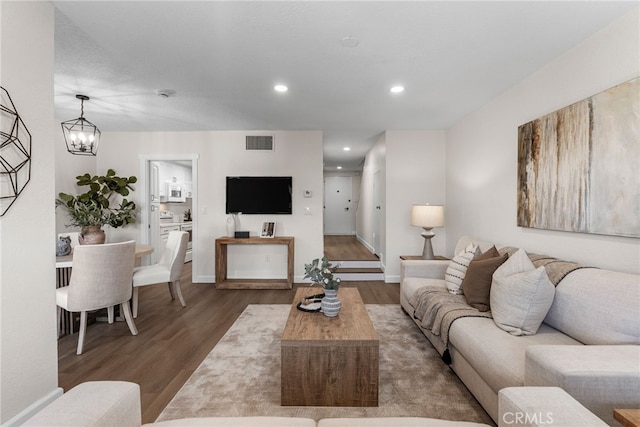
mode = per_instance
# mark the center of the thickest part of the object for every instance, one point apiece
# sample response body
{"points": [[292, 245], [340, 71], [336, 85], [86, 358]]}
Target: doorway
{"points": [[160, 211], [339, 216]]}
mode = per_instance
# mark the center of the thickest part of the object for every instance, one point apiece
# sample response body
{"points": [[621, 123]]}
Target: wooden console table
{"points": [[223, 282]]}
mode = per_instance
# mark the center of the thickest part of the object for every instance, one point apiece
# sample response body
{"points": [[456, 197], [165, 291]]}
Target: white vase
{"points": [[231, 226], [331, 304]]}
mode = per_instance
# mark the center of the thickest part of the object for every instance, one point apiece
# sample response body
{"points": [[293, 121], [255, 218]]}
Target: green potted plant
{"points": [[95, 208], [321, 271]]}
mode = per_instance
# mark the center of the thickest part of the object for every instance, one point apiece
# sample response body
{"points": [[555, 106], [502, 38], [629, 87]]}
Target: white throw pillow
{"points": [[521, 295], [458, 268]]}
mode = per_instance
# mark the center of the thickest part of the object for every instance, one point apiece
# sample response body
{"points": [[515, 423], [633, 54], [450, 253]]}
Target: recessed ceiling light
{"points": [[339, 167], [280, 88], [349, 41], [347, 148], [397, 89]]}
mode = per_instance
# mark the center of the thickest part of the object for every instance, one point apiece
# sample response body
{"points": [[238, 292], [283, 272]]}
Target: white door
{"points": [[377, 212], [338, 215]]}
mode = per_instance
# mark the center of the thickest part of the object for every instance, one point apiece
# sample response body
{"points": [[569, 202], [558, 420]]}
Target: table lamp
{"points": [[427, 216]]}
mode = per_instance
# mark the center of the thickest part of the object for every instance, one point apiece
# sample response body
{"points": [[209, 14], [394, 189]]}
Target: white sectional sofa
{"points": [[588, 343], [117, 403]]}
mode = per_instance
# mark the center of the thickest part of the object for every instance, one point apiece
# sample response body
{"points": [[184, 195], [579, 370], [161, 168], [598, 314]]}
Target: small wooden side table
{"points": [[627, 417], [419, 257]]}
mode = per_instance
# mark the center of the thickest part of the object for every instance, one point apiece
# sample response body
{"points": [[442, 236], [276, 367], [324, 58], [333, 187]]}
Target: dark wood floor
{"points": [[346, 248], [173, 340]]}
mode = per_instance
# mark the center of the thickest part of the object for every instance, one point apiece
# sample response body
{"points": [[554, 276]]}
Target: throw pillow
{"points": [[458, 267], [476, 285], [492, 252], [521, 295]]}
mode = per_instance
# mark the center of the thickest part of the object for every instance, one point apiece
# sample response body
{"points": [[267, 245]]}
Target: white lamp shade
{"points": [[427, 216]]}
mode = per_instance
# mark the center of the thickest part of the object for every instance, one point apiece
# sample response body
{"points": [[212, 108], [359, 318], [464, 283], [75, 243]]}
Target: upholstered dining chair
{"points": [[167, 270], [101, 277]]}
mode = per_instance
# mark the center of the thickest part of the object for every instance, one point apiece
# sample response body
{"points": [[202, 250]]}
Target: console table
{"points": [[223, 282]]}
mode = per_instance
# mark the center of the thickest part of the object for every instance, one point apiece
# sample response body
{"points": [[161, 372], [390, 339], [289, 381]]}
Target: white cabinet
{"points": [[172, 173]]}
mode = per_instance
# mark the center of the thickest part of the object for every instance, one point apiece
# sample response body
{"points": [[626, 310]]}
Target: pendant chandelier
{"points": [[81, 136]]}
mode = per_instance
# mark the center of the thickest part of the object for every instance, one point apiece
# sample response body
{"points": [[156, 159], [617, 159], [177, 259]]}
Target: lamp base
{"points": [[427, 251]]}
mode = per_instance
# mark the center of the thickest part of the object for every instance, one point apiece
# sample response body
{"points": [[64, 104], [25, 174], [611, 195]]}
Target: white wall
{"points": [[415, 175], [482, 150], [68, 167], [412, 166], [28, 355], [221, 154], [374, 162]]}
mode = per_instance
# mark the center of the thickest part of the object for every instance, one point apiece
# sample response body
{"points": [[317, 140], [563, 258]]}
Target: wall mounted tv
{"points": [[252, 195]]}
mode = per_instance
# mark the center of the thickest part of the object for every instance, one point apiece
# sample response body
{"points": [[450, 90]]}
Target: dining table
{"points": [[64, 267]]}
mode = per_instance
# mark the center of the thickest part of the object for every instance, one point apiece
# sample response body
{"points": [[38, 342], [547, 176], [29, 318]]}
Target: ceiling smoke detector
{"points": [[349, 41], [165, 93]]}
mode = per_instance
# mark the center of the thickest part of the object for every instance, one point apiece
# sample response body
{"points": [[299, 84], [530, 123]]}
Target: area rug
{"points": [[241, 375]]}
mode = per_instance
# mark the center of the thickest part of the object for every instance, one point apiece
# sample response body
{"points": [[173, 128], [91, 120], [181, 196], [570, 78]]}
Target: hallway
{"points": [[356, 262], [346, 248]]}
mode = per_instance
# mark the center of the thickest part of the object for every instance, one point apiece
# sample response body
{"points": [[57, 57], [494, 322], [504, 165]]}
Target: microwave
{"points": [[175, 192]]}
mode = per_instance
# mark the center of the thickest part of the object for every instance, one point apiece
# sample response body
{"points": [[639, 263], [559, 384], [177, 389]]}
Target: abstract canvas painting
{"points": [[579, 167]]}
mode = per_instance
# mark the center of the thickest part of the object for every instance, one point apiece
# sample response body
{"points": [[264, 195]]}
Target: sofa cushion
{"points": [[411, 284], [458, 267], [476, 285], [583, 302], [543, 407], [393, 422], [498, 356], [601, 377], [520, 295]]}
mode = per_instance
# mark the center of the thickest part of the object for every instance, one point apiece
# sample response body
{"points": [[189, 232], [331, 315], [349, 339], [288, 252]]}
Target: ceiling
{"points": [[223, 58]]}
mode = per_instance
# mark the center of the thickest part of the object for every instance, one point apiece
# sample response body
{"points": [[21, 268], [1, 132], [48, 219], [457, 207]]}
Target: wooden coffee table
{"points": [[330, 361], [627, 417]]}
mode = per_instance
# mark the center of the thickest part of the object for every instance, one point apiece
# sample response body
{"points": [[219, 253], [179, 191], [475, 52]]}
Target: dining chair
{"points": [[100, 278], [167, 270]]}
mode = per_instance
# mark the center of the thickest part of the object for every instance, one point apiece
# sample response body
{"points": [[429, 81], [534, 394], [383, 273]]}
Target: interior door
{"points": [[338, 215]]}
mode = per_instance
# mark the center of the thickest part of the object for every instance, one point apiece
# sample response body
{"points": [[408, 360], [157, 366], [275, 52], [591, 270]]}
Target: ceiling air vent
{"points": [[259, 142]]}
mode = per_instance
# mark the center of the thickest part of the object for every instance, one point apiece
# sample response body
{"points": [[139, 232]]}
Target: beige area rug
{"points": [[241, 375]]}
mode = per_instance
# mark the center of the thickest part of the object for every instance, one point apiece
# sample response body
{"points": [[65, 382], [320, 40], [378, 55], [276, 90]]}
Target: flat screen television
{"points": [[253, 195]]}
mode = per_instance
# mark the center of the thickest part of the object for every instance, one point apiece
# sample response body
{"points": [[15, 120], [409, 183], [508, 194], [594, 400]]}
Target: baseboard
{"points": [[34, 408], [365, 244], [204, 279], [392, 279]]}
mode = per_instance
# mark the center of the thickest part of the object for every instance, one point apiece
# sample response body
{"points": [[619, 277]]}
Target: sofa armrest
{"points": [[428, 269], [94, 403], [542, 406]]}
